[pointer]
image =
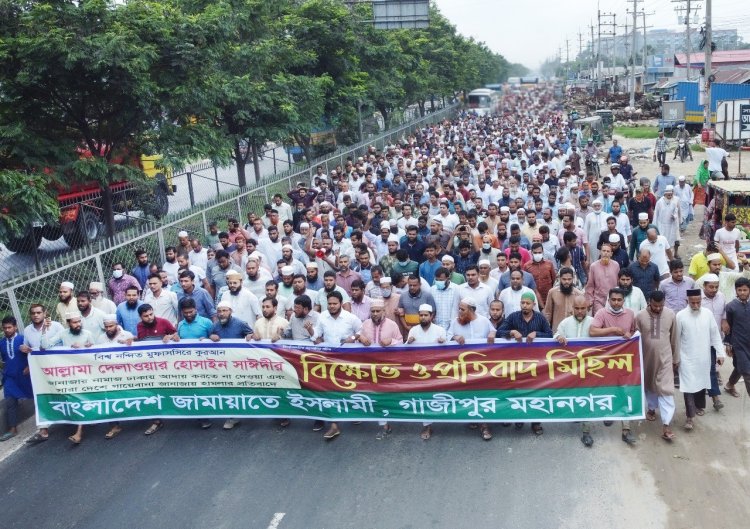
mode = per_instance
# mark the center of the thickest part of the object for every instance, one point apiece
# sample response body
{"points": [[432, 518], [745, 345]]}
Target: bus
{"points": [[483, 101]]}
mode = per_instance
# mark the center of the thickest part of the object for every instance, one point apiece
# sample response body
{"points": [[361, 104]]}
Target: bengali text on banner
{"points": [[595, 379]]}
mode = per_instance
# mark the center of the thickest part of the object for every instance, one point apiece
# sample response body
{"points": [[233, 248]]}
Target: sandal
{"points": [[473, 426], [689, 424], [426, 433], [700, 412], [284, 423], [155, 427], [486, 433], [651, 415], [36, 439], [537, 429], [383, 433], [7, 435], [114, 432], [733, 392], [668, 435], [73, 439]]}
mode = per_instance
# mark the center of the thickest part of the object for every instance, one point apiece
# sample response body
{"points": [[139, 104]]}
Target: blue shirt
{"points": [[203, 301], [15, 383], [141, 273], [614, 153], [128, 318], [427, 271], [234, 328], [515, 322], [200, 327]]}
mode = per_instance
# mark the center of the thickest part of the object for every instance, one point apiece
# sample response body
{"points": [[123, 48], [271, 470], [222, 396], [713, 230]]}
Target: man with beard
{"points": [[615, 320], [561, 298], [141, 269], [73, 337], [526, 324], [645, 273], [217, 276], [476, 290], [329, 285], [698, 333], [170, 266], [240, 254], [511, 296], [676, 286], [99, 300], [313, 280], [361, 303], [302, 324], [256, 278], [668, 216], [715, 301], [271, 326], [188, 290], [738, 336], [576, 326], [113, 333], [634, 298], [67, 302], [286, 274], [334, 328], [661, 356], [602, 278], [164, 302], [92, 318], [541, 270], [639, 234], [450, 264], [426, 333], [409, 303], [469, 324], [151, 327], [287, 255], [299, 287], [127, 311], [120, 283]]}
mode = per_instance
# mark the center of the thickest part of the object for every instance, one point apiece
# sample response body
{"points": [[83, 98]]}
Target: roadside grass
{"points": [[639, 133]]}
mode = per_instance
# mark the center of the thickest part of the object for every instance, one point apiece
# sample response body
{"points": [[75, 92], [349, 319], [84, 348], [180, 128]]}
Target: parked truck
{"points": [[689, 92], [81, 208]]}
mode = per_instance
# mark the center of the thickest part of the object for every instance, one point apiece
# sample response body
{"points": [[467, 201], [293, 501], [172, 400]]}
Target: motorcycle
{"points": [[682, 149], [592, 164]]}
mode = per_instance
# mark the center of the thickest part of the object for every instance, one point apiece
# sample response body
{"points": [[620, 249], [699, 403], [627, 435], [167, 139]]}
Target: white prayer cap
{"points": [[109, 318], [568, 205], [311, 265], [392, 223], [393, 238], [483, 262], [447, 259], [714, 257], [470, 302], [233, 273], [224, 305], [567, 167], [287, 247], [681, 178], [710, 278], [520, 210], [287, 270], [96, 285], [597, 201], [257, 255], [581, 173], [385, 280], [67, 284], [505, 209], [425, 307], [183, 233], [412, 224], [377, 303], [303, 225], [615, 166], [613, 237], [669, 188], [642, 216], [385, 225], [73, 315]]}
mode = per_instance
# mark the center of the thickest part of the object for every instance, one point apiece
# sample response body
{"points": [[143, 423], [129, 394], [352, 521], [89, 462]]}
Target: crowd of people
{"points": [[484, 228]]}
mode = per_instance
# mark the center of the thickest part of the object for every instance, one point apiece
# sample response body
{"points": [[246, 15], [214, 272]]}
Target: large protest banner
{"points": [[507, 381]]}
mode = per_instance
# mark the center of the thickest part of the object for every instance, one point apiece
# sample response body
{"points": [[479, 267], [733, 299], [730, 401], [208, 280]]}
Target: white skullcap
{"points": [[67, 284], [109, 317], [615, 166], [714, 257], [448, 258], [287, 247], [224, 305], [567, 167], [386, 280], [391, 223], [613, 237], [377, 303], [303, 225], [232, 273], [581, 173], [504, 209], [598, 201], [483, 262], [642, 216], [470, 302], [385, 225], [183, 233], [256, 255], [425, 307], [96, 285], [519, 210], [710, 278], [681, 178], [670, 187], [287, 270], [393, 238], [311, 265], [73, 315]]}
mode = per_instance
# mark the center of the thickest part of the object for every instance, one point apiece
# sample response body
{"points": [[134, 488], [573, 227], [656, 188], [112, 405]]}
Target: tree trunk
{"points": [[239, 161], [256, 162], [108, 211], [304, 143], [432, 103], [420, 104], [386, 116]]}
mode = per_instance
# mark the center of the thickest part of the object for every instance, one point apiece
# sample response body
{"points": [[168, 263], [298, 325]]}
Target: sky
{"points": [[530, 31]]}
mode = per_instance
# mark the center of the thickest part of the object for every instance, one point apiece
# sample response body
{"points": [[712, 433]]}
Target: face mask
{"points": [[537, 257], [403, 263], [117, 274], [386, 292], [486, 246], [617, 311], [440, 284]]}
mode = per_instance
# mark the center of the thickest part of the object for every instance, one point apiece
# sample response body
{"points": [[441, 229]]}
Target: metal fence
{"points": [[94, 262]]}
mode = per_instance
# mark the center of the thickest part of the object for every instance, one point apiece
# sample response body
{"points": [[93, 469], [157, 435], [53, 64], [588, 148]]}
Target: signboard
{"points": [[595, 379], [744, 121], [401, 14]]}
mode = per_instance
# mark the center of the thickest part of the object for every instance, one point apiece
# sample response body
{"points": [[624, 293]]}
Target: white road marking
{"points": [[276, 520]]}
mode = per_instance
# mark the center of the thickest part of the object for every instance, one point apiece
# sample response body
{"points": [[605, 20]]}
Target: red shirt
{"points": [[160, 329]]}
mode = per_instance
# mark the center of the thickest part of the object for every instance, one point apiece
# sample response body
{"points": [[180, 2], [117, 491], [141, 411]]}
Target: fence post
{"points": [[216, 177], [14, 306], [205, 221], [190, 189], [100, 268], [239, 210], [160, 238]]}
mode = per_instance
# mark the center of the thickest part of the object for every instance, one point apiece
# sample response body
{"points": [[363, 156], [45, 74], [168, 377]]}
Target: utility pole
{"points": [[567, 60], [688, 10], [707, 69], [632, 66], [598, 49], [580, 53], [610, 33], [592, 56]]}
